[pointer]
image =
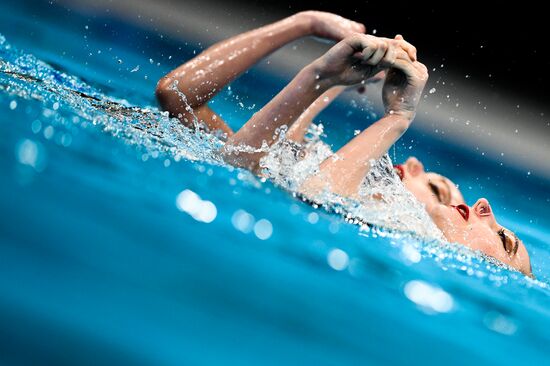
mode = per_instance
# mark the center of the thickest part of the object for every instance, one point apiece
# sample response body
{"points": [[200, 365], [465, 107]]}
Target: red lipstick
{"points": [[400, 171], [463, 210]]}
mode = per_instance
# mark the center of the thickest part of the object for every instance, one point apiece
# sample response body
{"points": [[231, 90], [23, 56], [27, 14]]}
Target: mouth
{"points": [[463, 210], [400, 171]]}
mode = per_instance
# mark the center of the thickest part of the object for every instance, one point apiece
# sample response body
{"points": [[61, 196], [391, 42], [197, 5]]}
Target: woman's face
{"points": [[428, 188], [477, 228]]}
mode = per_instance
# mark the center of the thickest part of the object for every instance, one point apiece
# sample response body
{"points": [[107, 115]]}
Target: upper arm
{"points": [[175, 104]]}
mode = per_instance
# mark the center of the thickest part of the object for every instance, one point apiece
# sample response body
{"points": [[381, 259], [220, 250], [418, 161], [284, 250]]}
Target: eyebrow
{"points": [[516, 246], [516, 242]]}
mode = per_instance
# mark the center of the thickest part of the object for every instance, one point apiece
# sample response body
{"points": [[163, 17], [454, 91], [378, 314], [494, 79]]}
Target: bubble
{"points": [[243, 221], [338, 259], [334, 227], [48, 132], [500, 323], [13, 105], [411, 254], [66, 139], [36, 126], [191, 203], [263, 229], [31, 153], [430, 298], [313, 218]]}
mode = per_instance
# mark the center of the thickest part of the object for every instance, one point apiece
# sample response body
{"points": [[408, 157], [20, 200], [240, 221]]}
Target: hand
{"points": [[403, 88], [331, 26], [357, 58], [406, 46]]}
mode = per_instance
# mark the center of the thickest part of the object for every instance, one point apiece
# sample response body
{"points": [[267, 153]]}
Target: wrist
{"points": [[400, 114], [397, 123], [312, 75], [305, 21]]}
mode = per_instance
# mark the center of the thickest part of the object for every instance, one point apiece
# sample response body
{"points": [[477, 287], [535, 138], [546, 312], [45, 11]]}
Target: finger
{"points": [[379, 54], [376, 78], [422, 70], [406, 67], [367, 53], [359, 42], [389, 58], [402, 54], [359, 27], [399, 37], [411, 50]]}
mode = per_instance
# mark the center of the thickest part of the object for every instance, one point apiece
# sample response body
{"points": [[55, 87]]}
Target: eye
{"points": [[506, 242], [436, 191]]}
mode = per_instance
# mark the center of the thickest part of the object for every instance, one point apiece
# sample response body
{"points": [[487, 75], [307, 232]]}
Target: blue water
{"points": [[99, 266]]}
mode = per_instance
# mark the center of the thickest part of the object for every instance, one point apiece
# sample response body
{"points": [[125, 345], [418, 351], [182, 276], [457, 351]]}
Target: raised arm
{"points": [[344, 171], [300, 127], [205, 75], [351, 61]]}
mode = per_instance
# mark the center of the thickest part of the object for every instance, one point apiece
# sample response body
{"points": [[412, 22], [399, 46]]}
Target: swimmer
{"points": [[356, 58], [205, 75]]}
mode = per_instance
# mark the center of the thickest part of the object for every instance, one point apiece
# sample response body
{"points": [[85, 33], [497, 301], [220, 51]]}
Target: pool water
{"points": [[123, 241]]}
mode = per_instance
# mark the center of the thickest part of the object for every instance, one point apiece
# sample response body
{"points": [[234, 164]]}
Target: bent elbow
{"points": [[163, 93]]}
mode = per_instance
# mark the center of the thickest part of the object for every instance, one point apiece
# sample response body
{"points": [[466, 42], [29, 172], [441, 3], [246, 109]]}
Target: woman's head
{"points": [[477, 228], [474, 227], [429, 188]]}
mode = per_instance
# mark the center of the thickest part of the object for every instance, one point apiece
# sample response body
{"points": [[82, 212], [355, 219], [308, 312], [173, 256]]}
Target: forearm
{"points": [[343, 172], [284, 109], [203, 76], [299, 128]]}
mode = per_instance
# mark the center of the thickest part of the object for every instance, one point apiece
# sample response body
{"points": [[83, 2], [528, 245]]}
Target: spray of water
{"points": [[384, 206]]}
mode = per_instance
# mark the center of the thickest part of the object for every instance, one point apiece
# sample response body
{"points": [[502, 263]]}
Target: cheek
{"points": [[485, 241], [420, 191], [453, 229]]}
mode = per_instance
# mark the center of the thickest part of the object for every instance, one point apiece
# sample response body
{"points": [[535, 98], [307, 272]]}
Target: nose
{"points": [[483, 208], [414, 166]]}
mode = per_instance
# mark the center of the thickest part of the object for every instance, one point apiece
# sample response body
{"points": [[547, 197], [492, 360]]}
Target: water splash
{"points": [[383, 200], [70, 103], [67, 100]]}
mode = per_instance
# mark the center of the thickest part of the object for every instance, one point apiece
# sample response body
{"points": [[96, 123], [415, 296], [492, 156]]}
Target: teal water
{"points": [[104, 260]]}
